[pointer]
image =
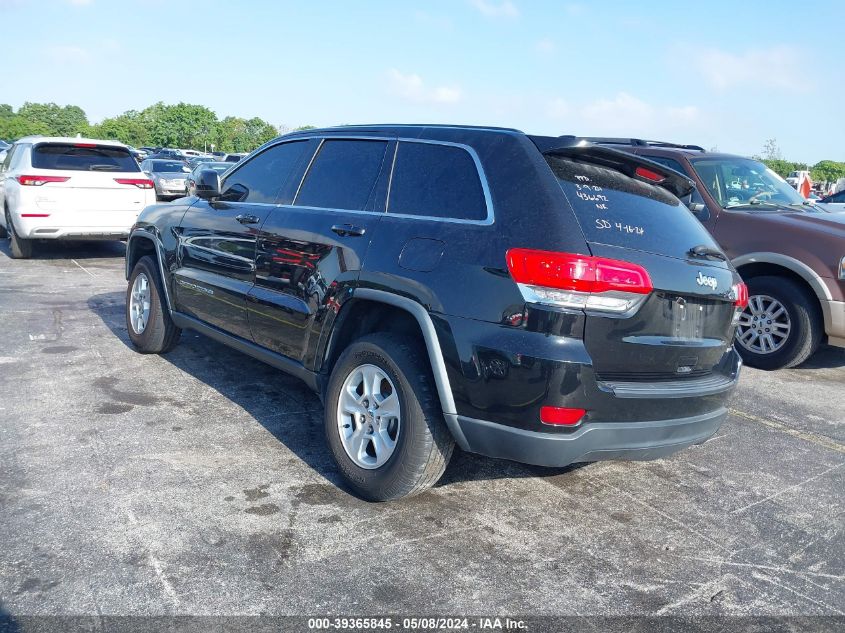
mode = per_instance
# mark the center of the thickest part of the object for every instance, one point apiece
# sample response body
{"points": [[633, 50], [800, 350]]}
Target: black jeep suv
{"points": [[539, 299]]}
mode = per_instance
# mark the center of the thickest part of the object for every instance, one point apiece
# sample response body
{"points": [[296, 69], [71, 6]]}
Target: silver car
{"points": [[168, 176]]}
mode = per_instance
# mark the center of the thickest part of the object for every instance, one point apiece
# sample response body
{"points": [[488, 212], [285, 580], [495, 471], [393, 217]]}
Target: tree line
{"points": [[822, 171], [181, 125]]}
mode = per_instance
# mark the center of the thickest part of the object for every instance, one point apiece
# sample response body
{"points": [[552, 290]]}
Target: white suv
{"points": [[69, 188]]}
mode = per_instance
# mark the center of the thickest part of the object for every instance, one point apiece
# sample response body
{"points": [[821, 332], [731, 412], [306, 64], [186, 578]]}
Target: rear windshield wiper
{"points": [[702, 250]]}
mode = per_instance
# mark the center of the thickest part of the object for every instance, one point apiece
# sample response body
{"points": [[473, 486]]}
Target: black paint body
{"points": [[281, 285]]}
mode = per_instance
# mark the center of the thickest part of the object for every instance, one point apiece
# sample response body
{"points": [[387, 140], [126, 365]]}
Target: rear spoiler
{"points": [[632, 165]]}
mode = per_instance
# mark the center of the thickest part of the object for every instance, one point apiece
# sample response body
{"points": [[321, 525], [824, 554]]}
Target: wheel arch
{"points": [[138, 245], [411, 311], [775, 264]]}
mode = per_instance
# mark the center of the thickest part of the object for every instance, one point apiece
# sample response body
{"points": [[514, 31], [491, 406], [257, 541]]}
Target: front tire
{"points": [[20, 248], [148, 321], [383, 421], [782, 325]]}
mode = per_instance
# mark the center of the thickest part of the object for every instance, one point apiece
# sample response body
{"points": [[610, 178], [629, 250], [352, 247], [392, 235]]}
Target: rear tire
{"points": [[148, 321], [422, 445], [20, 248], [801, 315]]}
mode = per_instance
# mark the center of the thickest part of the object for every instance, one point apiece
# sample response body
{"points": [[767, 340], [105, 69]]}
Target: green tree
{"points": [[827, 171], [6, 111], [181, 125], [57, 120], [128, 127], [234, 134], [15, 127]]}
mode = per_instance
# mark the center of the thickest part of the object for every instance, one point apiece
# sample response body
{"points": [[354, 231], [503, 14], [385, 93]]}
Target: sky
{"points": [[728, 75]]}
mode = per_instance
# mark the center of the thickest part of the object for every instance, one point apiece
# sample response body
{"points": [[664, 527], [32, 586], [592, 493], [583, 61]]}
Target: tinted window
{"points": [[343, 175], [168, 166], [614, 209], [78, 158], [260, 178], [438, 181]]}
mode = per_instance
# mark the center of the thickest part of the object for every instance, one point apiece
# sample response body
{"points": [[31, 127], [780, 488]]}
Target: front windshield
{"points": [[735, 182]]}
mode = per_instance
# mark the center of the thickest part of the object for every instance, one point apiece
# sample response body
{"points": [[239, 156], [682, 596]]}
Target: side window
{"points": [[437, 181], [838, 197], [260, 179], [343, 175], [8, 160], [671, 163]]}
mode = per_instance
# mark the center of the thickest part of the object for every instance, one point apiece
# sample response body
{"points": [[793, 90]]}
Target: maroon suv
{"points": [[790, 253]]}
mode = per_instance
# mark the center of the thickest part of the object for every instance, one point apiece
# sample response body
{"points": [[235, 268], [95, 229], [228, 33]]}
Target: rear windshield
{"points": [[168, 166], [614, 209], [83, 158]]}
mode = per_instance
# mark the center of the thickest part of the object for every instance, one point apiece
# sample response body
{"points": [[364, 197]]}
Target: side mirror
{"points": [[208, 184]]}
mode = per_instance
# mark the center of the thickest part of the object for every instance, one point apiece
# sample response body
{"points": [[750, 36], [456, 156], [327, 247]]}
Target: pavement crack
{"points": [[787, 489]]}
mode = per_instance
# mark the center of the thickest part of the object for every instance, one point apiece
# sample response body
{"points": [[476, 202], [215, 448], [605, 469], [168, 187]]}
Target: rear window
{"points": [[613, 209], [438, 181], [77, 158], [169, 166]]}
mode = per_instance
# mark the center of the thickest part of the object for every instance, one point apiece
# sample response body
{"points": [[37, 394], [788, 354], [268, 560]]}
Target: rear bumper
{"points": [[592, 441], [834, 322]]}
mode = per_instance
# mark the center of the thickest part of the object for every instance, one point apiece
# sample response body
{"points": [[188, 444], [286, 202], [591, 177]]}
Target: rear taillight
{"points": [[37, 181], [740, 295], [561, 416], [141, 183], [579, 281]]}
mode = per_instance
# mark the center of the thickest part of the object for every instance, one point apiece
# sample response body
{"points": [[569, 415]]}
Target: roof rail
{"points": [[607, 140]]}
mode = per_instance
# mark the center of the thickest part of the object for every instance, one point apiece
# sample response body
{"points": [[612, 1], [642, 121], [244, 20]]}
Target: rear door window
{"points": [[260, 179], [436, 181], [671, 163], [83, 157], [614, 209], [344, 175]]}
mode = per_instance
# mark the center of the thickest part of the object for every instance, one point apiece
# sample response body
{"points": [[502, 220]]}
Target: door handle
{"points": [[248, 219], [348, 230]]}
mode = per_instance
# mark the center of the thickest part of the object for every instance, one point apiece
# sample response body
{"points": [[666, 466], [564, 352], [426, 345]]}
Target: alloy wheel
{"points": [[764, 325], [139, 303], [368, 416]]}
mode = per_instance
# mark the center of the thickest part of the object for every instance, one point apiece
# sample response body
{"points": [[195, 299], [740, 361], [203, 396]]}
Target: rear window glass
{"points": [[613, 209], [343, 175], [168, 166], [76, 158], [439, 181]]}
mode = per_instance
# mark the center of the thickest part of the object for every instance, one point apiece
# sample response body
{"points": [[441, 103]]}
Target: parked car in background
{"points": [[217, 155], [138, 154], [167, 154], [530, 298], [191, 181], [4, 146], [168, 176], [789, 251], [834, 203], [69, 188], [234, 158], [150, 150], [190, 153], [193, 161]]}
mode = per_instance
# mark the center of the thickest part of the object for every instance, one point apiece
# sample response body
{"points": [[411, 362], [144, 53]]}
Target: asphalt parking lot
{"points": [[198, 483]]}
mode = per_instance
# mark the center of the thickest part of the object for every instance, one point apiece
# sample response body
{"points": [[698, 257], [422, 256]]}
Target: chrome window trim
{"points": [[482, 176]]}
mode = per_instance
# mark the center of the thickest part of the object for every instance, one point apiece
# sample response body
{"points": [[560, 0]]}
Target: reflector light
{"points": [[37, 181], [740, 293], [561, 416], [141, 183], [653, 176]]}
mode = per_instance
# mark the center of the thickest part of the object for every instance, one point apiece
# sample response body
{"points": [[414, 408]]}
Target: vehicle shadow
{"points": [[266, 394], [827, 357], [60, 249], [8, 624]]}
